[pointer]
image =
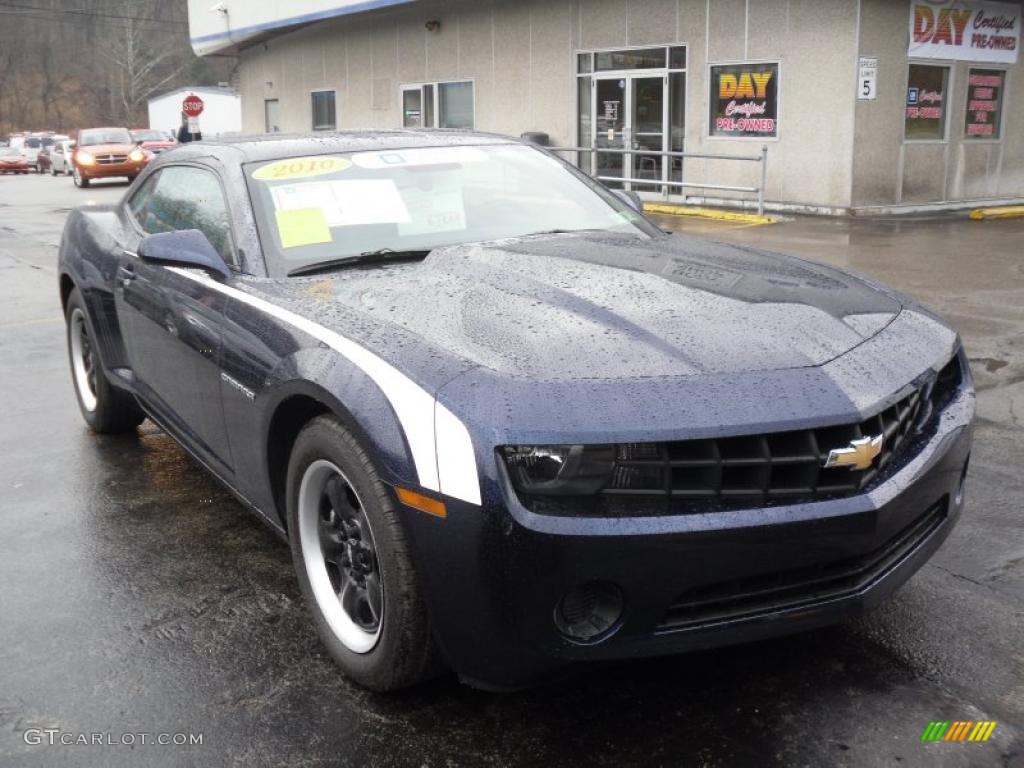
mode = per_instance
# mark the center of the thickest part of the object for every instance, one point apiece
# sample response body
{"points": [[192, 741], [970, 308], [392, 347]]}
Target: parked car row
{"points": [[95, 153]]}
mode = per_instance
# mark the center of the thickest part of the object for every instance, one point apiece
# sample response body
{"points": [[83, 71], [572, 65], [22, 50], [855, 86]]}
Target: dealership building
{"points": [[839, 106]]}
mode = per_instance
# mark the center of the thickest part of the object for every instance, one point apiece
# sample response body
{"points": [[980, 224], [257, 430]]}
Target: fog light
{"points": [[959, 498], [589, 612]]}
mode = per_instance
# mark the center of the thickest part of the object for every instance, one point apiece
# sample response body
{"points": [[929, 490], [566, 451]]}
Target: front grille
{"points": [[765, 466], [784, 590], [111, 159], [761, 470]]}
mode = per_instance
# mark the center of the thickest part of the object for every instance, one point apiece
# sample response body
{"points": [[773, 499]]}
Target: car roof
{"points": [[273, 146]]}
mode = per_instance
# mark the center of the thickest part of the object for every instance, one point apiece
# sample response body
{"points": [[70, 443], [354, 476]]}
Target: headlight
{"points": [[559, 470], [137, 156], [84, 158]]}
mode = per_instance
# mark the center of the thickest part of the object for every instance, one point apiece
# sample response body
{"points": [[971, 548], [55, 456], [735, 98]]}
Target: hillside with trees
{"points": [[67, 64]]}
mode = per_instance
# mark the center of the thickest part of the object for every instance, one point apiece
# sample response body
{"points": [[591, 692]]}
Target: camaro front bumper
{"points": [[495, 576]]}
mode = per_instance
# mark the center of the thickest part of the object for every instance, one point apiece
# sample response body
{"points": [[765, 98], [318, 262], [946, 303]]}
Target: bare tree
{"points": [[69, 65], [139, 70]]}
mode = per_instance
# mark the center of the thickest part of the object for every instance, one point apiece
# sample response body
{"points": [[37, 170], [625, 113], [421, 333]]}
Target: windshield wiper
{"points": [[563, 232], [369, 257]]}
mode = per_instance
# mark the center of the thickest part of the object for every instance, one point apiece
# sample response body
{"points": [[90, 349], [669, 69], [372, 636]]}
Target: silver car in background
{"points": [[60, 154]]}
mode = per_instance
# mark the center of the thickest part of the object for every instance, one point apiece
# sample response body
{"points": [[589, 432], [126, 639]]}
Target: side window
{"points": [[184, 197], [138, 202]]}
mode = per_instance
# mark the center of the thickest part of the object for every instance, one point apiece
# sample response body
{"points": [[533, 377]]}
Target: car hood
{"points": [[107, 149], [602, 306]]}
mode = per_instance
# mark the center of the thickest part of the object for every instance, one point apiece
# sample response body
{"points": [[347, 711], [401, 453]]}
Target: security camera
{"points": [[219, 8], [433, 25]]}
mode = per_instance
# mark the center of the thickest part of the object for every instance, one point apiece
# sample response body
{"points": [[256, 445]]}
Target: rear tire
{"points": [[353, 563], [106, 410]]}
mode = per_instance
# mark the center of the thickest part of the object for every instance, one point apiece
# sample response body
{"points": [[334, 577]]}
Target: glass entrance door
{"points": [[610, 127], [648, 118], [630, 113]]}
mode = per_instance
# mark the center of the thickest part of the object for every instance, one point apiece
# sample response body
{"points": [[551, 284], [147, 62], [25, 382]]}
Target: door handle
{"points": [[125, 275]]}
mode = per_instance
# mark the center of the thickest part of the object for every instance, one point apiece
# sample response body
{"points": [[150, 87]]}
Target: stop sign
{"points": [[192, 106]]}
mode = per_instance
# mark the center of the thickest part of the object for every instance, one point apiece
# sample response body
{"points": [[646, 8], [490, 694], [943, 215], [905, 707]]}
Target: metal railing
{"points": [[666, 183]]}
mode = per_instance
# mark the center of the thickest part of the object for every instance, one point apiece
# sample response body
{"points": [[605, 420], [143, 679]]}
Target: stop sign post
{"points": [[192, 106]]}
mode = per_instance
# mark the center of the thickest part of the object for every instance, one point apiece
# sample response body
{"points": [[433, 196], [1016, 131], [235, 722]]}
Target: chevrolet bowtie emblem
{"points": [[857, 455]]}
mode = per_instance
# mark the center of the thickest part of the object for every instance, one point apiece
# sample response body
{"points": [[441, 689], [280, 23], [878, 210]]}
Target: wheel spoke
{"points": [[351, 596], [374, 596], [335, 491]]}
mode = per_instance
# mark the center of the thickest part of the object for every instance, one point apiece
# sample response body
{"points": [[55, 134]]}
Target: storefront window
{"points": [[984, 103], [451, 102], [744, 100], [646, 58], [583, 120], [926, 103], [455, 109], [323, 111]]}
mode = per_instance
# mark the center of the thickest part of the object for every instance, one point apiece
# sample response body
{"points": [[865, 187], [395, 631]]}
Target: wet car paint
{"points": [[183, 612], [623, 370]]}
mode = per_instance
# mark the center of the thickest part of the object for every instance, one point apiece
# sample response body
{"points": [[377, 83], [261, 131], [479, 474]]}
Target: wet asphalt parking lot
{"points": [[136, 596]]}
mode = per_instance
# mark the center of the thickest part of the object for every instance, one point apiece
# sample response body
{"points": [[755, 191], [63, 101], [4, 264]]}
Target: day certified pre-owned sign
{"points": [[965, 30], [744, 100]]}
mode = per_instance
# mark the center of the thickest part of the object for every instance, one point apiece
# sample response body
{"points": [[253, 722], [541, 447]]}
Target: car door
{"points": [[171, 323]]}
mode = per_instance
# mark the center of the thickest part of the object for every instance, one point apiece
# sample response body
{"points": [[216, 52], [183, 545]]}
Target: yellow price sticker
{"points": [[302, 226], [301, 168]]}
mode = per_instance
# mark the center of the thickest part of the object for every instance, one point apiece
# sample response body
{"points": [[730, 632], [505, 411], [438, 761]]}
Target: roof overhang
{"points": [[220, 27]]}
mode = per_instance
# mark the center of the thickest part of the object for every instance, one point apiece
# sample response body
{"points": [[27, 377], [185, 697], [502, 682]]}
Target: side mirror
{"points": [[183, 248], [632, 199]]}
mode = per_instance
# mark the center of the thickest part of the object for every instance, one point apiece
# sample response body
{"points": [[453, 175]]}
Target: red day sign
{"points": [[966, 30], [192, 106]]}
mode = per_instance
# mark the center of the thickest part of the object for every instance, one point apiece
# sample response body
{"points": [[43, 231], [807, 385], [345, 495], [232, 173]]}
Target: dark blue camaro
{"points": [[504, 422]]}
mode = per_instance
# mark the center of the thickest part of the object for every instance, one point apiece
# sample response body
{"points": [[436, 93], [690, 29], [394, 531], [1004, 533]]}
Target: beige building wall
{"points": [[891, 171], [832, 151]]}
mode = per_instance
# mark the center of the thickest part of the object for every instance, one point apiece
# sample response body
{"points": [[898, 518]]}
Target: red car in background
{"points": [[152, 140], [44, 160], [12, 161]]}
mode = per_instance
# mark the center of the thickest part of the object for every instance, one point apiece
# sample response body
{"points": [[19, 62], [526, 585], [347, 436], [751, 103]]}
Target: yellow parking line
{"points": [[707, 213], [1000, 212], [36, 321]]}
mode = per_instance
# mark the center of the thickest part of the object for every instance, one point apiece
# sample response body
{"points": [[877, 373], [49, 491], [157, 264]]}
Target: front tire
{"points": [[105, 409], [80, 181], [353, 563]]}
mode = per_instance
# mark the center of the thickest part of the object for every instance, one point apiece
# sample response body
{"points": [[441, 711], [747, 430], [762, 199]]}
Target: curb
{"points": [[1005, 212], [710, 213]]}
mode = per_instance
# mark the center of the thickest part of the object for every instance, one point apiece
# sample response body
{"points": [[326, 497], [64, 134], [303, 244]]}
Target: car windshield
{"points": [[326, 207], [148, 136], [33, 143], [105, 136]]}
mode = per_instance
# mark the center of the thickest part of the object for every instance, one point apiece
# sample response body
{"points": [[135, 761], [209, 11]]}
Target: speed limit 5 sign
{"points": [[867, 78]]}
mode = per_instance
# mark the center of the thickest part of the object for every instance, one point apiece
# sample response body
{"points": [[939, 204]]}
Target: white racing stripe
{"points": [[442, 449]]}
